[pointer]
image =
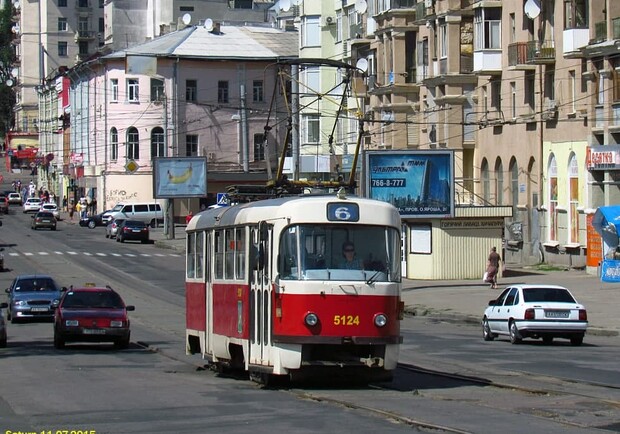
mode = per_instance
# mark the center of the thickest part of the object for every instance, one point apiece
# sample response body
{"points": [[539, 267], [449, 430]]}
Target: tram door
{"points": [[260, 296], [206, 254]]}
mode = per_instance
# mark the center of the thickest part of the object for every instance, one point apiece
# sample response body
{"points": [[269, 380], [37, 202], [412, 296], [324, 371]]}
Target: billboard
{"points": [[179, 177], [418, 183]]}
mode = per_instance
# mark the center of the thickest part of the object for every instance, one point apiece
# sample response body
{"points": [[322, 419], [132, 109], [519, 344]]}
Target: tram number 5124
{"points": [[346, 320]]}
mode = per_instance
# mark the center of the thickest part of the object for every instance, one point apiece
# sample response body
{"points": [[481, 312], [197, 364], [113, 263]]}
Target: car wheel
{"points": [[122, 344], [3, 343], [144, 241], [576, 340], [486, 331], [91, 224], [59, 342], [153, 223], [118, 240], [54, 228], [8, 314], [14, 320], [515, 337], [547, 340]]}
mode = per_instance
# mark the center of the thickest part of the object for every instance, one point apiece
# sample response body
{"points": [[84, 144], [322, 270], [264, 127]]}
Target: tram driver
{"points": [[350, 262]]}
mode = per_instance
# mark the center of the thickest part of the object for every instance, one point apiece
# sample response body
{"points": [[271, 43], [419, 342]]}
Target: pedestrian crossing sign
{"points": [[222, 199]]}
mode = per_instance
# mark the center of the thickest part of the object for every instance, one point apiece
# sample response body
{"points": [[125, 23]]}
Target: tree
{"points": [[7, 61]]}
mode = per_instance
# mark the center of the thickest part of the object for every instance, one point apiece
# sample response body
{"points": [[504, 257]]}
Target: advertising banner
{"points": [[418, 183], [179, 177]]}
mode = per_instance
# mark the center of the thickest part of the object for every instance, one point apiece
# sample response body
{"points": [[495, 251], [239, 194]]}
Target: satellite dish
{"points": [[208, 24], [532, 9], [285, 5], [187, 18], [15, 72], [360, 6], [9, 82], [16, 4], [362, 64]]}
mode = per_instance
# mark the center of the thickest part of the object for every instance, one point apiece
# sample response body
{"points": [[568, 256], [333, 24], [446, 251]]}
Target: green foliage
{"points": [[7, 60]]}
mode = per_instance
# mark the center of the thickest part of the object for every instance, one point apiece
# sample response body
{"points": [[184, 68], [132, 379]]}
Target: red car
{"points": [[91, 314]]}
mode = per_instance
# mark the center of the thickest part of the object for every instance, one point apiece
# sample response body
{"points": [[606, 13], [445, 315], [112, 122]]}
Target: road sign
{"points": [[222, 199]]}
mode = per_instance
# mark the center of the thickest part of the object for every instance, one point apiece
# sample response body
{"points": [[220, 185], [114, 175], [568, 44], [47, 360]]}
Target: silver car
{"points": [[111, 228], [31, 296]]}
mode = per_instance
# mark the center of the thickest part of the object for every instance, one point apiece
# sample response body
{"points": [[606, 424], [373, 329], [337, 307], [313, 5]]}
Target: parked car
{"points": [[112, 228], [4, 204], [32, 204], [93, 221], [135, 230], [31, 296], [91, 314], [43, 219], [535, 311], [51, 207], [15, 199], [3, 337]]}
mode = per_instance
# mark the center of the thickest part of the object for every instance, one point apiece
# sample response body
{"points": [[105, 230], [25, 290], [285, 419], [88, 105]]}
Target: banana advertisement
{"points": [[180, 177]]}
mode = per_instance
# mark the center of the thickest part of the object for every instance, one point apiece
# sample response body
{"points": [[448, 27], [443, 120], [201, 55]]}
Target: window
{"points": [[573, 191], [114, 89], [496, 94], [62, 24], [62, 3], [191, 145], [62, 49], [133, 144], [239, 253], [513, 99], [113, 144], [133, 90], [311, 128], [218, 254], [310, 31], [600, 88], [311, 80], [514, 182], [191, 89], [513, 28], [157, 89], [186, 8], [83, 26], [83, 48], [576, 14], [553, 199], [487, 28], [222, 91], [158, 148], [258, 91], [550, 85], [486, 182], [339, 26], [529, 90], [101, 25], [195, 255], [499, 182], [240, 4], [259, 147], [443, 40], [572, 90]]}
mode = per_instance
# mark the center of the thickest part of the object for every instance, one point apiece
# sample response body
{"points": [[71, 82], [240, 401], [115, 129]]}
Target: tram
{"points": [[269, 290]]}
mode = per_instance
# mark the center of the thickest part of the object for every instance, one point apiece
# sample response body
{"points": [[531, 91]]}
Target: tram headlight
{"points": [[311, 319], [380, 320]]}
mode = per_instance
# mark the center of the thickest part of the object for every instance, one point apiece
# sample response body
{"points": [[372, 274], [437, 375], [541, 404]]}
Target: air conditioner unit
{"points": [[211, 155], [329, 21]]}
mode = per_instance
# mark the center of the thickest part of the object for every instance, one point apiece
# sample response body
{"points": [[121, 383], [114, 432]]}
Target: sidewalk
{"points": [[465, 300]]}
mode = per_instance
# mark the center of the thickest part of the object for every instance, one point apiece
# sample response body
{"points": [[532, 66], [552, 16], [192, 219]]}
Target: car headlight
{"points": [[20, 303], [72, 323], [380, 320], [116, 323], [311, 319]]}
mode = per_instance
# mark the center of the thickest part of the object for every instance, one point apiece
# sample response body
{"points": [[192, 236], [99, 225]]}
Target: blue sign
{"points": [[343, 212], [179, 177], [222, 199], [610, 270]]}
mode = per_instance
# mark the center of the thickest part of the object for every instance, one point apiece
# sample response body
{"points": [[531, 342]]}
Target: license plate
{"points": [[45, 221], [94, 332], [39, 309], [557, 314]]}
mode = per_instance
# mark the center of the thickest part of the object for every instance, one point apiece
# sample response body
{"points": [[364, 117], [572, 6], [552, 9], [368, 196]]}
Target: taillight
{"points": [[583, 315], [529, 314]]}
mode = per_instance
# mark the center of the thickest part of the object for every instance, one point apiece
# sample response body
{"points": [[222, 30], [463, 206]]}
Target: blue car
{"points": [[31, 297]]}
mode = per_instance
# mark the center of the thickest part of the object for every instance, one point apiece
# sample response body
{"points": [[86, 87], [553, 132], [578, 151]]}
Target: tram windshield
{"points": [[338, 252]]}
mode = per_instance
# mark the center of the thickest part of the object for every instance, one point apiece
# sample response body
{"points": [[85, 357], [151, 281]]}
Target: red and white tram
{"points": [[268, 290]]}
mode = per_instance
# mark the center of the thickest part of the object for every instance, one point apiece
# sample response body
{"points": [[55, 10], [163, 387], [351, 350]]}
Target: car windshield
{"points": [[92, 299], [558, 295], [28, 285]]}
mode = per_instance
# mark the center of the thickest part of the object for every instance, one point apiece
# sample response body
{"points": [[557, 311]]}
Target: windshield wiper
{"points": [[371, 279]]}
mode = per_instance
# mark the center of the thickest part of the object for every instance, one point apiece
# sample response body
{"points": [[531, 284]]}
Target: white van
{"points": [[149, 213]]}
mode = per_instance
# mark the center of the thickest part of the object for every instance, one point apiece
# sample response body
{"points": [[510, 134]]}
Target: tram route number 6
{"points": [[343, 212], [346, 320]]}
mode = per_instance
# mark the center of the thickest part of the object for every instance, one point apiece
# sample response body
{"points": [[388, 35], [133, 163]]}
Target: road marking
{"points": [[131, 255], [43, 253], [13, 254], [116, 254], [159, 255], [101, 254], [28, 254], [59, 253], [145, 255], [87, 254], [72, 253]]}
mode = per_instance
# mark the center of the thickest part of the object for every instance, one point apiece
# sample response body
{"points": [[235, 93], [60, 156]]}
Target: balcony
{"points": [[488, 62], [523, 55], [573, 41], [85, 35], [422, 12]]}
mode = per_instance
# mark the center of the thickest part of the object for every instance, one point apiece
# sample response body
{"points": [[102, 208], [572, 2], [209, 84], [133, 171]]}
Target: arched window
{"points": [[573, 192], [486, 183], [553, 198], [514, 182], [133, 143], [499, 181], [158, 148], [113, 144]]}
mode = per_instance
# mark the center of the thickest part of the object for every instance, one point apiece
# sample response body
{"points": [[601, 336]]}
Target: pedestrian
{"points": [[71, 210], [64, 203], [188, 217], [493, 267]]}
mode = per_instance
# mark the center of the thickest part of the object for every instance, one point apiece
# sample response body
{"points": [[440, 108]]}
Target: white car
{"points": [[51, 207], [32, 204], [535, 311]]}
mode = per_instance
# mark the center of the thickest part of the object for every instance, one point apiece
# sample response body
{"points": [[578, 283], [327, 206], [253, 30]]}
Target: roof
{"points": [[231, 42]]}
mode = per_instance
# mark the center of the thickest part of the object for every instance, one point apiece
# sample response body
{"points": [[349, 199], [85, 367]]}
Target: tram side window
{"points": [[287, 258], [191, 256], [240, 253], [219, 254], [200, 236], [229, 260]]}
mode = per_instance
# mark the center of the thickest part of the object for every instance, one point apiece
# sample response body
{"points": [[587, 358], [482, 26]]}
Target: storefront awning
{"points": [[606, 222]]}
